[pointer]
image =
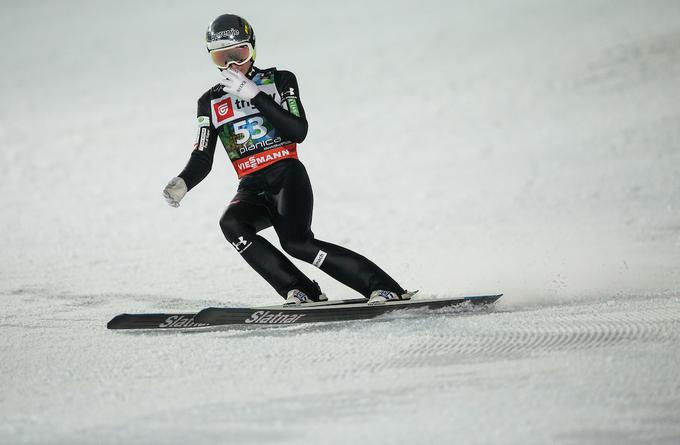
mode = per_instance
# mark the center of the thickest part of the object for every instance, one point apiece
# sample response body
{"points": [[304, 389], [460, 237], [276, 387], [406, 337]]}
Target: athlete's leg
{"points": [[292, 222], [240, 223]]}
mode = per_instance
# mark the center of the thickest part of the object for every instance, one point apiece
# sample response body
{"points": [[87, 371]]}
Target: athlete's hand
{"points": [[175, 191], [236, 83]]}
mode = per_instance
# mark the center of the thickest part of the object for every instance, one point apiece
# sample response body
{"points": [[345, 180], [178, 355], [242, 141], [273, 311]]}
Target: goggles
{"points": [[237, 55]]}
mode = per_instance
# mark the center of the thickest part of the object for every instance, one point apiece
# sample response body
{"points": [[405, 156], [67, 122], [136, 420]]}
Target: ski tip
{"points": [[483, 299], [115, 322], [204, 315]]}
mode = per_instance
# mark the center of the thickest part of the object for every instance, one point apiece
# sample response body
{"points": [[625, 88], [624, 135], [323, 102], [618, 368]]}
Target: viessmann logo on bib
{"points": [[222, 111]]}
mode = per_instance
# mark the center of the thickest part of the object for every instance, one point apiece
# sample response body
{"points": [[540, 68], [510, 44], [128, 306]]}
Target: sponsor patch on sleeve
{"points": [[203, 121], [291, 105], [289, 92], [201, 142]]}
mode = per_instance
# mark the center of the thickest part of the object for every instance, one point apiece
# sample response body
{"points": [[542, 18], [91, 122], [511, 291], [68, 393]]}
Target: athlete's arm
{"points": [[288, 117], [201, 160]]}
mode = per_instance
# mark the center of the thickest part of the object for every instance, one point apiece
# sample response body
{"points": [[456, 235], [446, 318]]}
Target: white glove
{"points": [[236, 83], [175, 191]]}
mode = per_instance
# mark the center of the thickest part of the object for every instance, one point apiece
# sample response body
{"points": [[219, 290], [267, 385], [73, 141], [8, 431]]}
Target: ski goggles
{"points": [[236, 55]]}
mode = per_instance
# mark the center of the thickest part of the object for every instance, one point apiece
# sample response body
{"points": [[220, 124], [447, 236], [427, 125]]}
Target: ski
{"points": [[277, 315], [186, 320], [281, 315]]}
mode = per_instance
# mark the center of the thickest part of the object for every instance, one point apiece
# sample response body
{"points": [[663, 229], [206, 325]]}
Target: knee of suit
{"points": [[300, 249], [231, 226]]}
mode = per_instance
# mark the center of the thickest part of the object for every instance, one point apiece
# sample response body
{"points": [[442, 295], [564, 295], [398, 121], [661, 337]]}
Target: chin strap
{"points": [[251, 71]]}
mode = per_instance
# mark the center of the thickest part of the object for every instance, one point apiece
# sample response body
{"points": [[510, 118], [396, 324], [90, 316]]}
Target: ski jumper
{"points": [[261, 139]]}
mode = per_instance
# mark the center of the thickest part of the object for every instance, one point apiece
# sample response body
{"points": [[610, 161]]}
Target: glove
{"points": [[236, 83], [175, 191]]}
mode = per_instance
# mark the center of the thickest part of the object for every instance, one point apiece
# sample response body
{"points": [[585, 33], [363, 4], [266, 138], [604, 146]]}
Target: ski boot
{"points": [[297, 296], [382, 296]]}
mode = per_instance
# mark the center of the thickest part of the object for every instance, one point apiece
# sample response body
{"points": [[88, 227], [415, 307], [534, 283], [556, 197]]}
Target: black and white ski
{"points": [[278, 315]]}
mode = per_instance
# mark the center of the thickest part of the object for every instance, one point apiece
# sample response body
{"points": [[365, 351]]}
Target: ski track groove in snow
{"points": [[558, 332]]}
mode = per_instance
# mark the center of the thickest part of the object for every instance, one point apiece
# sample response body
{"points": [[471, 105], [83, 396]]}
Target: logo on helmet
{"points": [[229, 33]]}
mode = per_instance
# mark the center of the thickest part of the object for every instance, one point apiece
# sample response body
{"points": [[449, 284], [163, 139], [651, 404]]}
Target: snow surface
{"points": [[526, 146]]}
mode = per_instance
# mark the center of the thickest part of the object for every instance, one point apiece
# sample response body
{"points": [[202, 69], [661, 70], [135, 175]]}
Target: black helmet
{"points": [[228, 30]]}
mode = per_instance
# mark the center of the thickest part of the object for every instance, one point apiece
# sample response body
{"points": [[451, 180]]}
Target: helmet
{"points": [[228, 31]]}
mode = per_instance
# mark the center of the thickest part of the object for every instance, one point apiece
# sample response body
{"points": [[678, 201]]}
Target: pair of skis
{"points": [[282, 315]]}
